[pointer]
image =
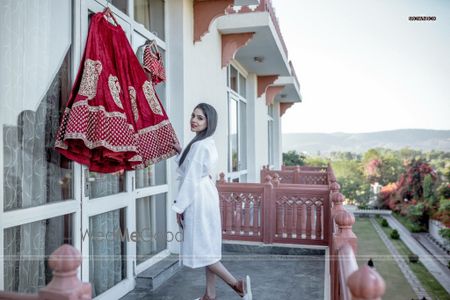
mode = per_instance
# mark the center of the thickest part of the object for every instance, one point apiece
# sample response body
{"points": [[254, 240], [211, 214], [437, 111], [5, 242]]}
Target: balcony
{"points": [[290, 233], [266, 52], [251, 35], [281, 232]]}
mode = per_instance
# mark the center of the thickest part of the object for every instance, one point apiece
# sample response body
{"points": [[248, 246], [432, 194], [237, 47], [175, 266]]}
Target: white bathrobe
{"points": [[198, 199]]}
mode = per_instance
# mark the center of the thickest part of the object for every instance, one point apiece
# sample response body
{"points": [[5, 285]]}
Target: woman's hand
{"points": [[180, 220], [177, 147]]}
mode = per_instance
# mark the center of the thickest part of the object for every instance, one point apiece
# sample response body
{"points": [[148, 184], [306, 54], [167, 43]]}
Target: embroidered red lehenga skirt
{"points": [[114, 119]]}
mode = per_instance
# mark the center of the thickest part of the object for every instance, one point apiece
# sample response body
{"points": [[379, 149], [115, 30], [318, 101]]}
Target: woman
{"points": [[197, 205]]}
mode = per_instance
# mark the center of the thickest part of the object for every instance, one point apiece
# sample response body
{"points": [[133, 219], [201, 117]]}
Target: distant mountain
{"points": [[420, 139]]}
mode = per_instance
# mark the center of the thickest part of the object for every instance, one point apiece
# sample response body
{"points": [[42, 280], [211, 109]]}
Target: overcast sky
{"points": [[363, 66]]}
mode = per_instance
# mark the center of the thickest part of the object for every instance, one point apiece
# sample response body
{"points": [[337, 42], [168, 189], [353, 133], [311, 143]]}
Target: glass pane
{"points": [[243, 136], [27, 249], [152, 175], [122, 5], [107, 256], [101, 184], [233, 135], [150, 13], [151, 226], [242, 86], [34, 173], [233, 78]]}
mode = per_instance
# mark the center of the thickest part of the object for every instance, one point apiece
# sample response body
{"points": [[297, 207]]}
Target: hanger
{"points": [[108, 13], [152, 44]]}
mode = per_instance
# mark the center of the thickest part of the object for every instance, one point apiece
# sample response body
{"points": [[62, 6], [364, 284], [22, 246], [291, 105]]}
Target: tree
{"points": [[350, 176], [292, 158], [428, 190]]}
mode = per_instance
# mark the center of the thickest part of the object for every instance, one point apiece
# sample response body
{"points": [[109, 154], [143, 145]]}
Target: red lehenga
{"points": [[114, 119]]}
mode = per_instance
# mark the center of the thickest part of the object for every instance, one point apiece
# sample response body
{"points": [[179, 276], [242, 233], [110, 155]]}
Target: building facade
{"points": [[227, 53]]}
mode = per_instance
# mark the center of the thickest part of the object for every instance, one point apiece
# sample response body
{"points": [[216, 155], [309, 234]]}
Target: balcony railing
{"points": [[264, 6], [298, 175], [300, 213], [64, 285], [271, 212]]}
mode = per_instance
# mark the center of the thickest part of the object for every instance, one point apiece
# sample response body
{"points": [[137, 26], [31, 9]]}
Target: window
{"points": [[122, 5], [236, 81], [237, 125], [107, 255], [27, 248], [34, 173], [151, 226], [150, 13], [233, 78]]}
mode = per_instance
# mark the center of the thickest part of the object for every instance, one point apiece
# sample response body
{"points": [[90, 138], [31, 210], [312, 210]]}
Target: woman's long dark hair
{"points": [[211, 124]]}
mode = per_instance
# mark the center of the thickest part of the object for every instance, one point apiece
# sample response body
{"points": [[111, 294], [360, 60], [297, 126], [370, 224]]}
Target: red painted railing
{"points": [[307, 175], [64, 285], [264, 5], [297, 213], [242, 207], [347, 281], [303, 168], [271, 212]]}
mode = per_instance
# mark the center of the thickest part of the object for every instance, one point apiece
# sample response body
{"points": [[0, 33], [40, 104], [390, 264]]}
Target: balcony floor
{"points": [[276, 273]]}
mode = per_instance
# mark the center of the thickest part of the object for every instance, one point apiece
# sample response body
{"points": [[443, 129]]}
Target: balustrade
{"points": [[65, 284]]}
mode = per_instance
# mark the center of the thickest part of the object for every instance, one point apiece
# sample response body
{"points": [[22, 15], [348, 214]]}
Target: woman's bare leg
{"points": [[210, 283], [219, 269]]}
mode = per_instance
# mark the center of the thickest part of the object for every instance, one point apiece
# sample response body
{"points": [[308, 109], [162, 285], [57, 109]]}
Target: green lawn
{"points": [[371, 246], [431, 285]]}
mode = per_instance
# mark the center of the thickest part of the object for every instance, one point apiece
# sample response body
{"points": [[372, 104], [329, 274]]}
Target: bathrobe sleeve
{"points": [[194, 170]]}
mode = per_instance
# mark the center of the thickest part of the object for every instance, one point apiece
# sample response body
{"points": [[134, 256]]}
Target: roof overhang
{"points": [[291, 91], [264, 53]]}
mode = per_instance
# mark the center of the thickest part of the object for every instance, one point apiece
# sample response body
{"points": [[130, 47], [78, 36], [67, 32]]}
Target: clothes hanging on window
{"points": [[153, 64], [114, 119]]}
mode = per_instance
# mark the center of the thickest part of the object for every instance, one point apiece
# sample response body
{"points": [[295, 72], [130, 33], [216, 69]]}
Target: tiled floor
{"points": [[289, 274]]}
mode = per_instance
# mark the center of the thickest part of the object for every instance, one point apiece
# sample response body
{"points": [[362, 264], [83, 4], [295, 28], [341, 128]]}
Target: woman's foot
{"points": [[248, 289], [243, 288]]}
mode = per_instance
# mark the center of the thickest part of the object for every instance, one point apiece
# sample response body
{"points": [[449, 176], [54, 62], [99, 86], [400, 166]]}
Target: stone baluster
{"points": [[222, 178], [343, 236], [275, 180], [65, 284], [338, 200], [344, 221], [366, 284]]}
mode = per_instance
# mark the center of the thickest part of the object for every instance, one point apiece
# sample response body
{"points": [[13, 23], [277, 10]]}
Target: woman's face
{"points": [[198, 121]]}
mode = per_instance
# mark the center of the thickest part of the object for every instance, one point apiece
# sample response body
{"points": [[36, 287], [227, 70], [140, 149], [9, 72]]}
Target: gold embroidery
{"points": [[114, 87], [89, 80], [132, 92], [150, 95]]}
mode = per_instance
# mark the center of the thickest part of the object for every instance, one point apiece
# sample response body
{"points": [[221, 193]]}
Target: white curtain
{"points": [[32, 176], [105, 254], [151, 226]]}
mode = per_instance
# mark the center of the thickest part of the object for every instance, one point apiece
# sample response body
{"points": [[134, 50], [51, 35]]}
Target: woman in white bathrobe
{"points": [[197, 205]]}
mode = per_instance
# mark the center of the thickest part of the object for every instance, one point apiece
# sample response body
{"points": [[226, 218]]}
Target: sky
{"points": [[364, 67]]}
